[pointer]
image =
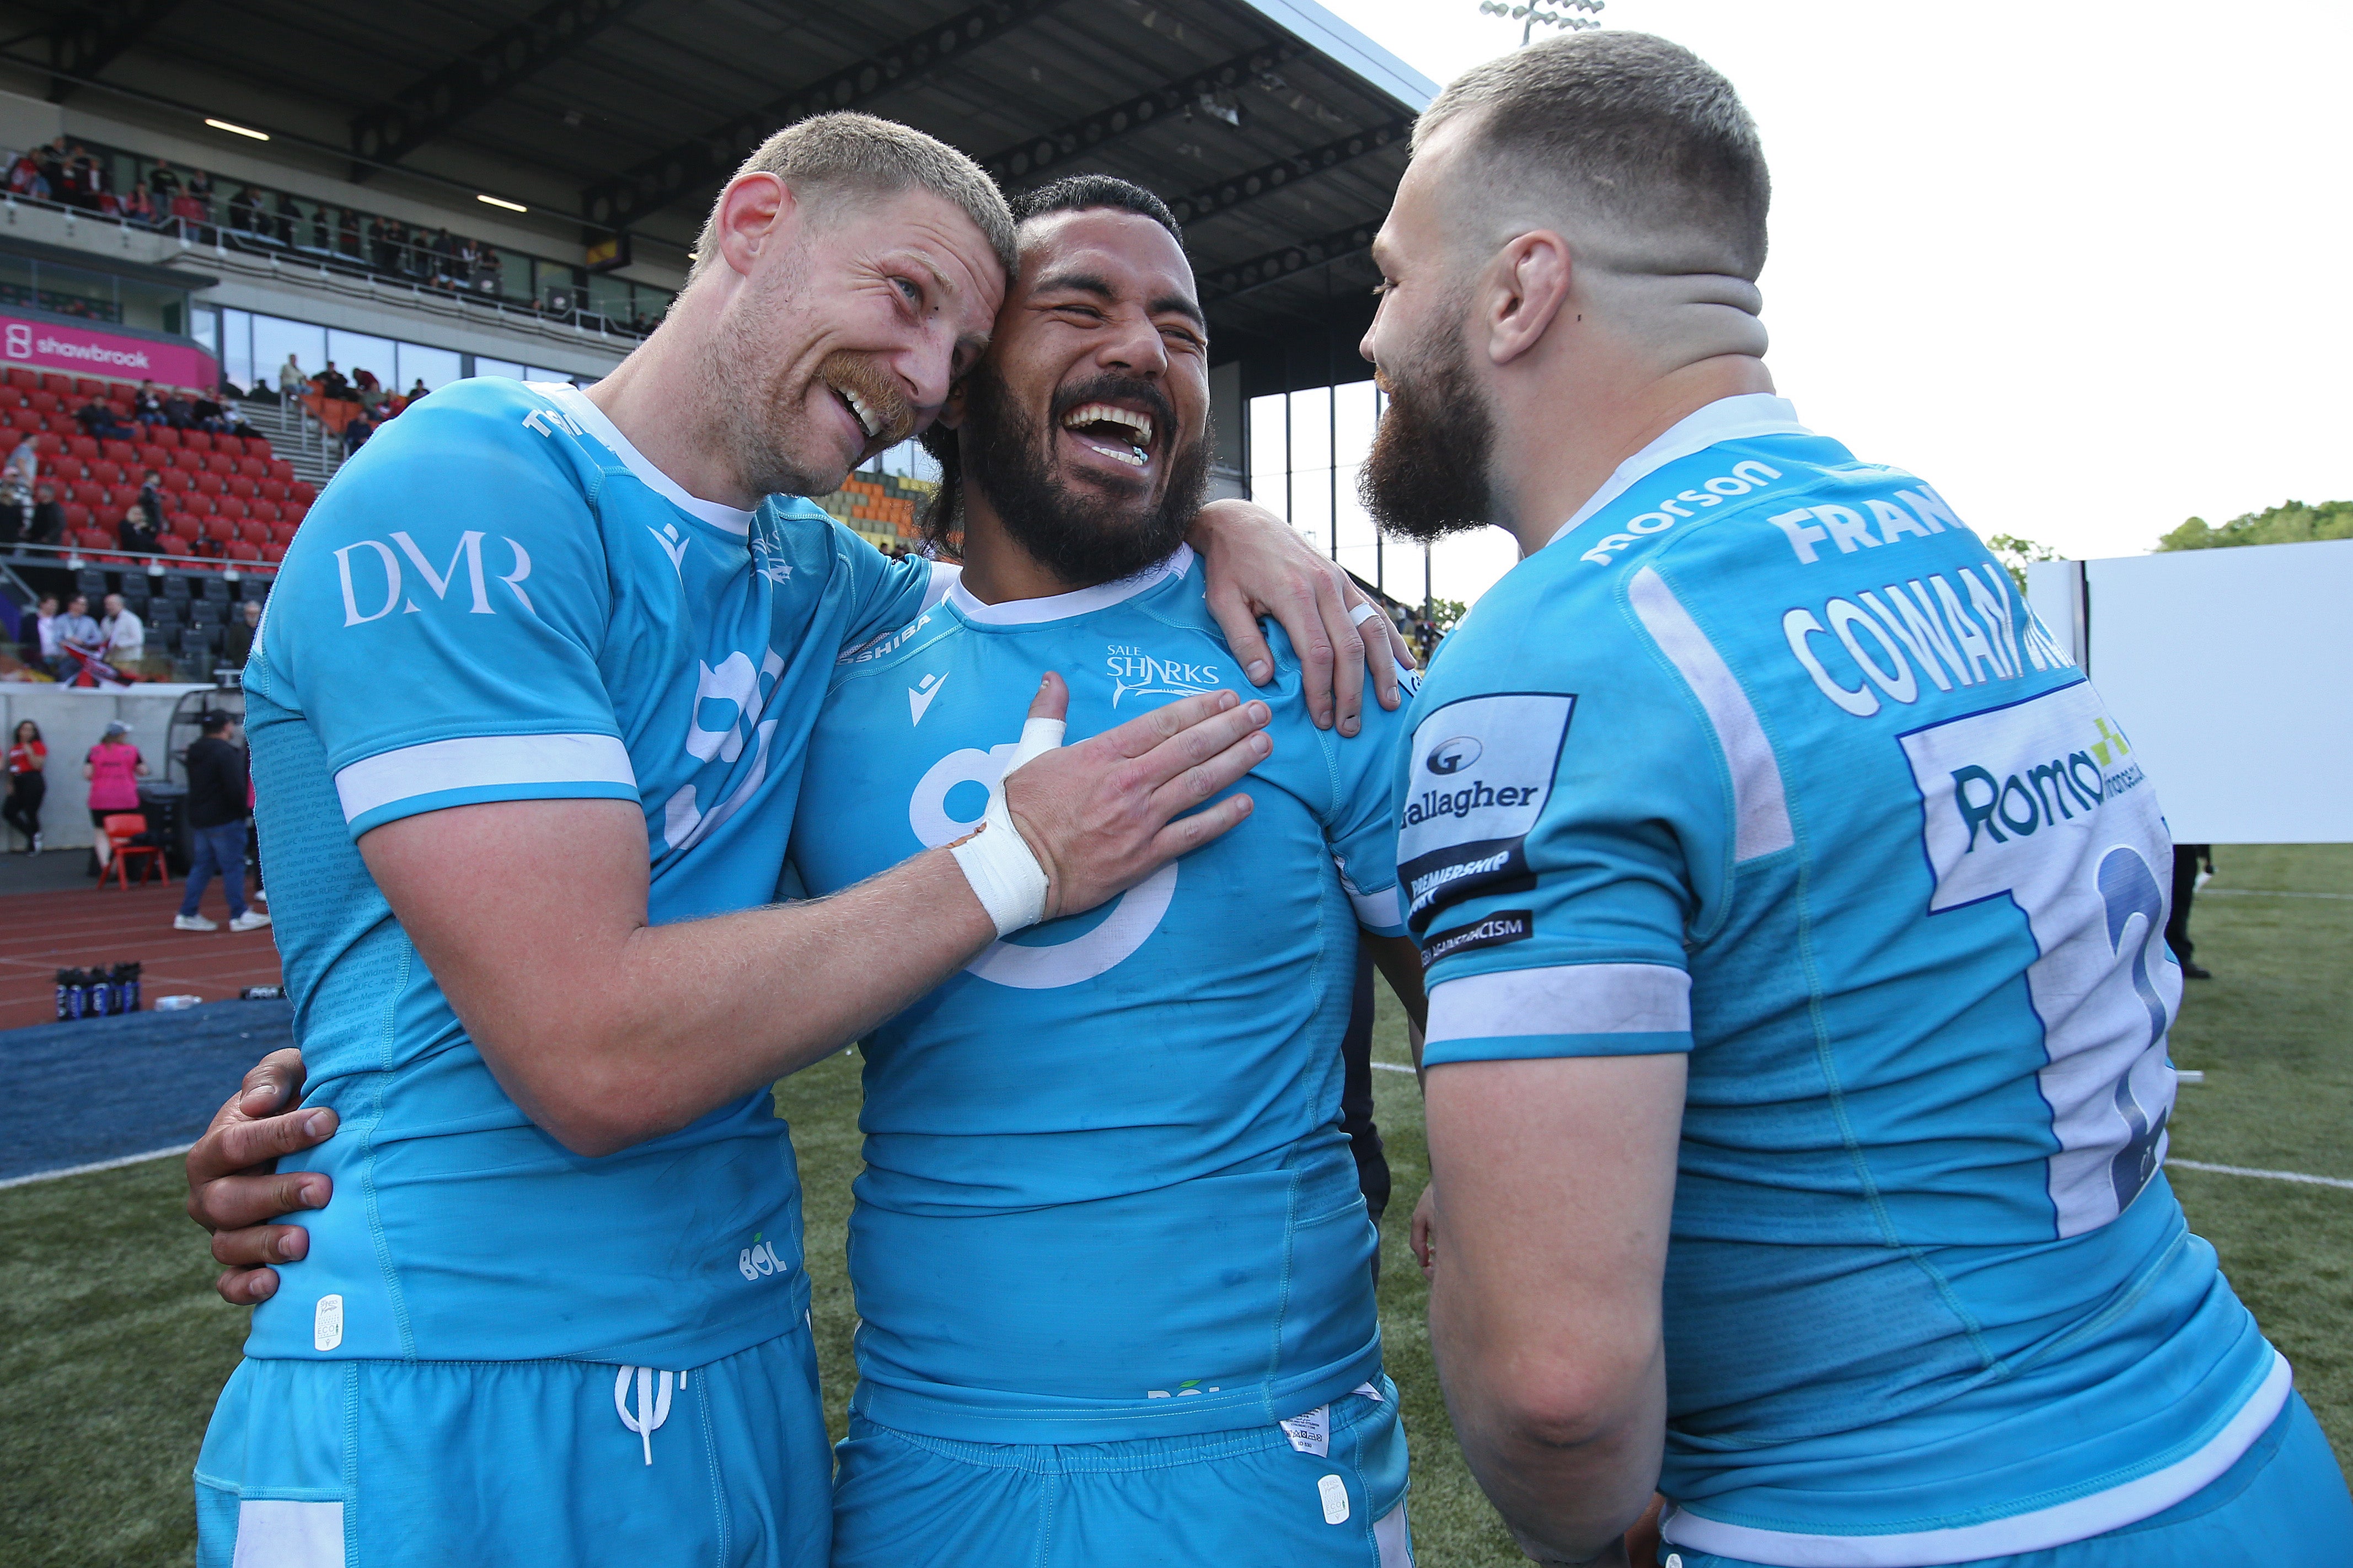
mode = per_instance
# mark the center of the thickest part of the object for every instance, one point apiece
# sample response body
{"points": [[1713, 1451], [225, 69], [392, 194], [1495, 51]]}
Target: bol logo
{"points": [[20, 340], [759, 1260], [1126, 922], [1452, 756]]}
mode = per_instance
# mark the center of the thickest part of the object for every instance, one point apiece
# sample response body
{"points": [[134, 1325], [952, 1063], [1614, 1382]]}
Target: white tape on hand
{"points": [[1005, 875]]}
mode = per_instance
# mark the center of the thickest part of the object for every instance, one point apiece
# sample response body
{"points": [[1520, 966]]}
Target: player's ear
{"points": [[950, 414], [1525, 285], [751, 211]]}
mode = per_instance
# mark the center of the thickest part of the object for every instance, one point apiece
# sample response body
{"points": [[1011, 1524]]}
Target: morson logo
{"points": [[1452, 756]]}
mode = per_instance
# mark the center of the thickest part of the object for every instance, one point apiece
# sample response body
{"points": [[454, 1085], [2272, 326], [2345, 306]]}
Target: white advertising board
{"points": [[2231, 672]]}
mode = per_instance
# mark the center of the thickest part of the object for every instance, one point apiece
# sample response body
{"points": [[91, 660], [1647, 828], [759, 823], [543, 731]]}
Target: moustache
{"points": [[1124, 389], [855, 375]]}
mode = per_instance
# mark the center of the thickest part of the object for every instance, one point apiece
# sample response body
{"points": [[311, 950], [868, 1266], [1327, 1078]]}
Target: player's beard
{"points": [[761, 395], [1427, 475], [1081, 536]]}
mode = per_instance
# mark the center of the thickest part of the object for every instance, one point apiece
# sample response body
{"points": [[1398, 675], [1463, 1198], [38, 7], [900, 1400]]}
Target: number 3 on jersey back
{"points": [[2041, 802]]}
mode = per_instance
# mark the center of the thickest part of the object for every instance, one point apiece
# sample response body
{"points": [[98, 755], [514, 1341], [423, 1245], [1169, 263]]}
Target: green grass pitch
{"points": [[112, 1345]]}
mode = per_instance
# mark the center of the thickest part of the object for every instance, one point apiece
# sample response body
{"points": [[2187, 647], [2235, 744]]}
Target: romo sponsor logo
{"points": [[1684, 504], [1136, 673], [1503, 927], [2046, 792]]}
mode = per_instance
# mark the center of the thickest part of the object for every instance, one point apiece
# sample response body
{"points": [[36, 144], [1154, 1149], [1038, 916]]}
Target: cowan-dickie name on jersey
{"points": [[1763, 759], [1106, 1194], [500, 598]]}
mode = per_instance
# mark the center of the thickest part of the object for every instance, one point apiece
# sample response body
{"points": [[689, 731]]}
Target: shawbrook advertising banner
{"points": [[95, 352]]}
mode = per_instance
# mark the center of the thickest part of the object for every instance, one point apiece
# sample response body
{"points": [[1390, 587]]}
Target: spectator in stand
{"points": [[136, 534], [347, 234], [84, 180], [200, 190], [45, 523], [97, 418], [291, 382], [113, 768], [193, 214], [54, 158], [76, 630], [151, 500], [140, 207], [241, 209], [234, 422], [12, 524], [319, 235], [164, 181], [241, 633], [24, 174], [21, 468], [334, 383], [40, 647], [147, 404], [356, 433], [288, 215], [207, 413], [379, 245], [218, 801], [126, 633], [416, 389], [28, 781], [178, 412], [364, 383]]}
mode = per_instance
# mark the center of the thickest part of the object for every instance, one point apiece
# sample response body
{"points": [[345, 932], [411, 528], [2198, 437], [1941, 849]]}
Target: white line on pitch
{"points": [[1392, 1066], [2267, 1175], [2263, 893], [112, 1165]]}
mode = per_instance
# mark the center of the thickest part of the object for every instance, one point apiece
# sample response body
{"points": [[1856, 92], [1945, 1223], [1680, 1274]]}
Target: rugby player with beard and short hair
{"points": [[1798, 1003], [528, 712], [1114, 1272]]}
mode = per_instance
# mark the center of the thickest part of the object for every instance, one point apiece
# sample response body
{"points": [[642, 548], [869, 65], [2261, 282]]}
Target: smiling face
{"points": [[853, 316], [1086, 424]]}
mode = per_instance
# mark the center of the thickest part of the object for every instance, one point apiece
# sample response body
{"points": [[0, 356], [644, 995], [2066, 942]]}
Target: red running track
{"points": [[82, 928]]}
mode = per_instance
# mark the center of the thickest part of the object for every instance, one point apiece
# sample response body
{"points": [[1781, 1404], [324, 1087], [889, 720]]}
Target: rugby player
{"points": [[1798, 1082], [1113, 1269], [528, 719]]}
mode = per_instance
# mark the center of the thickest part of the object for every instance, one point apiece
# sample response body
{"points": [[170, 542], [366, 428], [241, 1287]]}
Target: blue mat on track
{"points": [[106, 1088]]}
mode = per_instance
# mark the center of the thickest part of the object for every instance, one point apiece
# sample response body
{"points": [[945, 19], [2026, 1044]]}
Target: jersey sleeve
{"points": [[885, 595], [1558, 840], [1361, 828], [439, 622]]}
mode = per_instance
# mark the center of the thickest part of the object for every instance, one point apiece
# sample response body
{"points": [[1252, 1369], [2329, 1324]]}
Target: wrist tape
{"points": [[1005, 875]]}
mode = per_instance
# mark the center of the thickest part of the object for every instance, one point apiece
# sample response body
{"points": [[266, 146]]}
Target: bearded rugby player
{"points": [[528, 718], [1797, 1080]]}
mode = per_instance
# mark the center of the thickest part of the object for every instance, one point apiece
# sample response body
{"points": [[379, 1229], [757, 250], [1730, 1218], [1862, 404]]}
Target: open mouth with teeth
{"points": [[869, 420], [1122, 434]]}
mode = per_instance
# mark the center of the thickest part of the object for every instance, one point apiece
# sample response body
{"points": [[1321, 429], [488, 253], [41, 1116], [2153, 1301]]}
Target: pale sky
{"points": [[2081, 265]]}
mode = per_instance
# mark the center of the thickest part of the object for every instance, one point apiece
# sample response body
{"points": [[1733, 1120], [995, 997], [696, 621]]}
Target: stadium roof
{"points": [[1275, 130]]}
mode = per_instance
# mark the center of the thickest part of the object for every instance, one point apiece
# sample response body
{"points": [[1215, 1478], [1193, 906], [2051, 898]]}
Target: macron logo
{"points": [[919, 698]]}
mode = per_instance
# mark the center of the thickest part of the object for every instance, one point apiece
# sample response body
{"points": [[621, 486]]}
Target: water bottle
{"points": [[129, 972], [69, 995], [94, 994]]}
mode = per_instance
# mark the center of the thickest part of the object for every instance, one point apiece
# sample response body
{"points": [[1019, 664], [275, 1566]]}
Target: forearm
{"points": [[1567, 1477], [633, 1033]]}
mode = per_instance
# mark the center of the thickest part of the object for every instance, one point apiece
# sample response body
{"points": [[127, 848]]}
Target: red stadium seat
{"points": [[292, 513], [50, 447], [212, 485], [163, 435], [193, 462], [245, 550], [24, 419], [243, 487], [258, 447], [201, 440], [11, 396], [302, 490], [220, 463], [229, 506], [85, 387], [44, 401], [178, 482], [274, 490], [86, 493], [175, 544], [253, 468], [267, 510], [107, 472], [274, 553], [76, 517], [22, 379], [183, 524], [233, 445], [254, 531], [219, 529], [279, 468], [83, 446], [120, 497], [149, 456], [60, 384], [282, 533]]}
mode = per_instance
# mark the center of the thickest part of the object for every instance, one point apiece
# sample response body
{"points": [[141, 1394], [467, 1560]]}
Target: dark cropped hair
{"points": [[942, 517]]}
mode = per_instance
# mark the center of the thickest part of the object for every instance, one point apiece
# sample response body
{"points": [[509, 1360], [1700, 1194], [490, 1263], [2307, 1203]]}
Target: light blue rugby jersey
{"points": [[499, 598], [1763, 759], [1106, 1193]]}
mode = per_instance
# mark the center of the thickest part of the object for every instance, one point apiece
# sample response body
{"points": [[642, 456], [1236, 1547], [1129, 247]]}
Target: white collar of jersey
{"points": [[1065, 606], [1741, 418], [576, 403]]}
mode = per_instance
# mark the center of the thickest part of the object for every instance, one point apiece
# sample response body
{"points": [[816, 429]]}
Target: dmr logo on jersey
{"points": [[1482, 770], [375, 578], [2037, 807], [1049, 957], [1136, 673]]}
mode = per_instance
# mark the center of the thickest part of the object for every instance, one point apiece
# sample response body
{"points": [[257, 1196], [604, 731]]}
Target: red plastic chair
{"points": [[183, 525], [211, 484], [163, 435], [220, 530], [279, 468], [85, 387], [107, 472], [178, 482], [242, 487], [220, 463], [253, 468], [22, 379], [245, 550], [229, 506], [254, 530], [274, 553], [83, 446], [187, 461], [258, 447], [201, 440], [26, 420], [120, 828]]}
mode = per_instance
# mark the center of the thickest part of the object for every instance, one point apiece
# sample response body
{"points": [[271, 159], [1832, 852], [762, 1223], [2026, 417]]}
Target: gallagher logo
{"points": [[1452, 756]]}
